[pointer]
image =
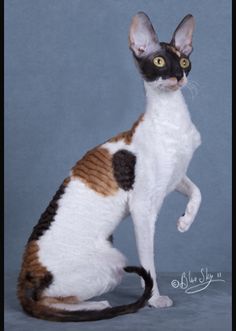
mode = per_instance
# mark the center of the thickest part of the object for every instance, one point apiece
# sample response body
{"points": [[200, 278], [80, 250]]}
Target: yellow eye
{"points": [[184, 63], [159, 61]]}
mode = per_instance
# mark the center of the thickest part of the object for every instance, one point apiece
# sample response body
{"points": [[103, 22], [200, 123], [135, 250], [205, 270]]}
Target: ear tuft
{"points": [[142, 36], [182, 37]]}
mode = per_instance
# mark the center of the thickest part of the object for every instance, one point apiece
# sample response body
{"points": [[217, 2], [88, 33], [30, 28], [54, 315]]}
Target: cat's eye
{"points": [[184, 63], [159, 61]]}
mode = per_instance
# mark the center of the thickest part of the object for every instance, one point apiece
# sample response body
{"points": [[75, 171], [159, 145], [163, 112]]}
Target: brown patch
{"points": [[33, 274], [95, 170], [127, 135], [31, 265], [66, 181], [34, 278]]}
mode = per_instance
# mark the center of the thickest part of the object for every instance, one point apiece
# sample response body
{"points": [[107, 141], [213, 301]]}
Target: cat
{"points": [[69, 257]]}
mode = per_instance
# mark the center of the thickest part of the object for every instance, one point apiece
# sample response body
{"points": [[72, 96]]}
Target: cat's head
{"points": [[163, 65]]}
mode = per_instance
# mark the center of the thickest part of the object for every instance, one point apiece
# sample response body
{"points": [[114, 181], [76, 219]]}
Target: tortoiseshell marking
{"points": [[48, 216], [95, 170], [33, 274]]}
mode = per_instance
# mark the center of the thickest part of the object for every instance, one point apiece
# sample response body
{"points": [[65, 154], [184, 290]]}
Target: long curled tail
{"points": [[38, 310]]}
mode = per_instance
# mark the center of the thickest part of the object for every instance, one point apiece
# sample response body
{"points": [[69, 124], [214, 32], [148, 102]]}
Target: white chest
{"points": [[167, 138]]}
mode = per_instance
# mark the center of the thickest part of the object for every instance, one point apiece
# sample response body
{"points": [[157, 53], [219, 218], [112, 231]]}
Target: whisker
{"points": [[193, 89], [193, 86], [195, 82], [190, 90]]}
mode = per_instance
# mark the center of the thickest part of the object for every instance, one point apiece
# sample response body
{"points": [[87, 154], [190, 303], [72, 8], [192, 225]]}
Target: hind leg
{"points": [[96, 271]]}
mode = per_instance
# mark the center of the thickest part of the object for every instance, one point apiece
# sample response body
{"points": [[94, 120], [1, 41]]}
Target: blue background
{"points": [[70, 84]]}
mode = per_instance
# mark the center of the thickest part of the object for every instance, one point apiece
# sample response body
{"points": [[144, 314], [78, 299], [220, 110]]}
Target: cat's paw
{"points": [[160, 301], [183, 224], [104, 304]]}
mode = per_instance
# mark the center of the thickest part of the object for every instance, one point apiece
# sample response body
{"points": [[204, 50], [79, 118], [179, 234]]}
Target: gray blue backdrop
{"points": [[70, 84]]}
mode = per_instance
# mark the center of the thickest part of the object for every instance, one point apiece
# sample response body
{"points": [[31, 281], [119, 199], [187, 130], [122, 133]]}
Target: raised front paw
{"points": [[183, 223], [160, 301]]}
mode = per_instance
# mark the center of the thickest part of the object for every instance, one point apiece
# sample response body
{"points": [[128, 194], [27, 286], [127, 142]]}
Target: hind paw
{"points": [[104, 304]]}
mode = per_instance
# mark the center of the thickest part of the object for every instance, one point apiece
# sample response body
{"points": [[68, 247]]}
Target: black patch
{"points": [[150, 72], [29, 277], [47, 217], [43, 284], [123, 163]]}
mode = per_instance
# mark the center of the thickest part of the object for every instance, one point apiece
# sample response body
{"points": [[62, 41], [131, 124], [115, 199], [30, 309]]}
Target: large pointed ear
{"points": [[142, 36], [182, 37]]}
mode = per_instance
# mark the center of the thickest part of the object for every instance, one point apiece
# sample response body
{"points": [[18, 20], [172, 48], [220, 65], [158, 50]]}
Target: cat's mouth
{"points": [[168, 84], [173, 84]]}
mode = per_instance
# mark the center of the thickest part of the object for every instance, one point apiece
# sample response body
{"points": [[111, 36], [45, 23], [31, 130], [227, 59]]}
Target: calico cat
{"points": [[69, 257]]}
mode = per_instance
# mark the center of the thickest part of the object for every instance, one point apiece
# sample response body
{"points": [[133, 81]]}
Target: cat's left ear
{"points": [[182, 37]]}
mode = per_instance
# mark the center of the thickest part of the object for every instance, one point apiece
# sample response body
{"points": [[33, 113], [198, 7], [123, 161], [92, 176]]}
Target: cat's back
{"points": [[92, 197]]}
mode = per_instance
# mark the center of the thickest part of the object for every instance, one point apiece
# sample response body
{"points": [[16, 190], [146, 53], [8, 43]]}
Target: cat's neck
{"points": [[168, 105]]}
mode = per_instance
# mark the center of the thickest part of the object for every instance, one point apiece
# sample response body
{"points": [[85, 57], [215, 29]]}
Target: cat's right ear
{"points": [[142, 36]]}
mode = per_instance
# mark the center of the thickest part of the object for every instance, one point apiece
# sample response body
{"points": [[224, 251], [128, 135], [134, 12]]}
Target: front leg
{"points": [[188, 188], [144, 210]]}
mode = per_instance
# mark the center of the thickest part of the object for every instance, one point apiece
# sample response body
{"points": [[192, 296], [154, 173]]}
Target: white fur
{"points": [[113, 147], [188, 188], [75, 248], [164, 144]]}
